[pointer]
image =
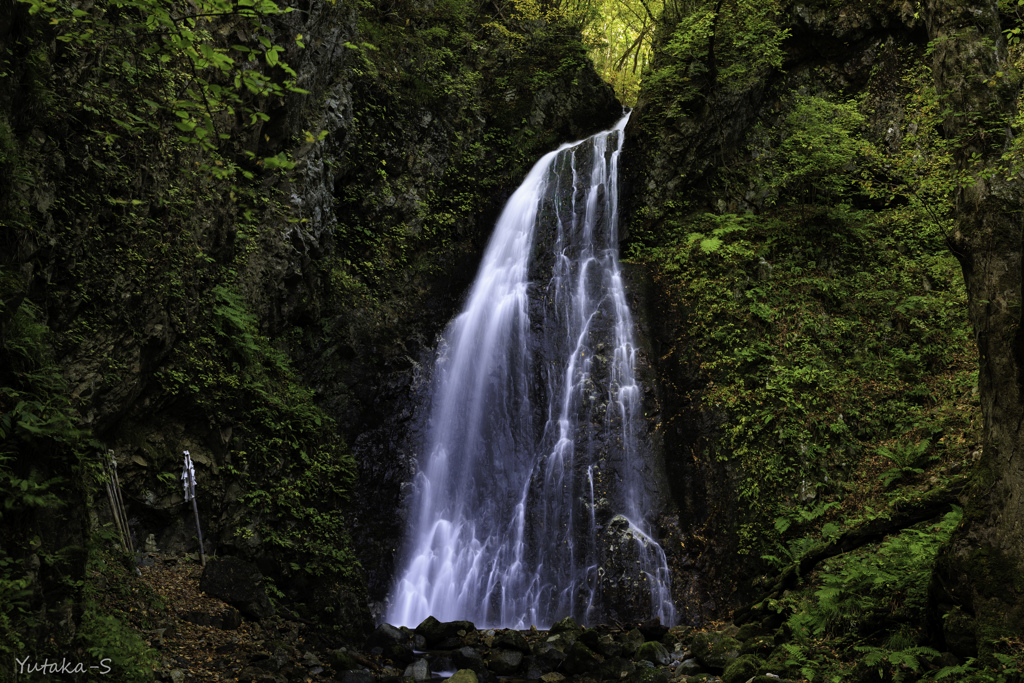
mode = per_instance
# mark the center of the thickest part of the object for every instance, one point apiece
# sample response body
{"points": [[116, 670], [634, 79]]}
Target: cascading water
{"points": [[531, 485]]}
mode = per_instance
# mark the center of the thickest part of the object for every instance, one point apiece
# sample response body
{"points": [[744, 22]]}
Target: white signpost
{"points": [[188, 480]]}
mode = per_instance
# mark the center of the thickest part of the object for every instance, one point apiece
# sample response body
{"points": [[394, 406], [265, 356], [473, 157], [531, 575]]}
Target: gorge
{"points": [[239, 231]]}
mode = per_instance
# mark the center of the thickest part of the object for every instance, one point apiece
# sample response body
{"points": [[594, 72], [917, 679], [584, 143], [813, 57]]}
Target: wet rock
{"points": [[653, 629], [581, 659], [357, 676], [460, 676], [553, 677], [631, 642], [418, 670], [750, 630], [532, 669], [647, 674], [468, 658], [758, 645], [653, 652], [504, 662], [742, 668], [715, 650], [447, 634], [688, 667], [548, 656], [615, 668], [678, 635], [392, 644], [386, 635], [239, 584], [442, 661], [511, 639], [567, 627]]}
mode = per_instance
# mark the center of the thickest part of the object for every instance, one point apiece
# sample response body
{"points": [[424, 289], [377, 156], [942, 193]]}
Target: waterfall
{"points": [[531, 502]]}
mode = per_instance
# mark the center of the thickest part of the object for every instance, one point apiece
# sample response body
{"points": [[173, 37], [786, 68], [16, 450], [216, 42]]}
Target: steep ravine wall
{"points": [[274, 332], [690, 152]]}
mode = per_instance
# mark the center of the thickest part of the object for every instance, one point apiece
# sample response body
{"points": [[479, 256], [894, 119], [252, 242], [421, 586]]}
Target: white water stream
{"points": [[534, 448]]}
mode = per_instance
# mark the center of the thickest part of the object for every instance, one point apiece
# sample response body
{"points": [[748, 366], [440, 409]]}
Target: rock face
{"points": [[684, 149], [239, 584], [273, 327]]}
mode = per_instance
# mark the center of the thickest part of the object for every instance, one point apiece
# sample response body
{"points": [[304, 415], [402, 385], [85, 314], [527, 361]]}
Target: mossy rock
{"points": [[463, 676], [342, 661], [654, 652], [567, 627], [758, 645], [511, 639], [631, 642], [715, 650], [647, 674], [581, 659], [678, 634], [742, 669], [750, 630]]}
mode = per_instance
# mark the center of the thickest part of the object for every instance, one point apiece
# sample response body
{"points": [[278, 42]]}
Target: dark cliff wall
{"points": [[271, 322], [754, 240]]}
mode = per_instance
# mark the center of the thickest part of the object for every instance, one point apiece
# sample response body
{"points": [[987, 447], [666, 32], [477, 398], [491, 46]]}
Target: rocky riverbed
{"points": [[201, 637]]}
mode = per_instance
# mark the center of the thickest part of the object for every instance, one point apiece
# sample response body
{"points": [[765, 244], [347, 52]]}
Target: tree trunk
{"points": [[978, 585]]}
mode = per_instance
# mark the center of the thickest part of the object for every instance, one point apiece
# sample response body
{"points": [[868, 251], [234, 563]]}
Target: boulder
{"points": [[238, 583], [581, 659], [742, 669], [463, 676], [631, 642], [567, 627], [758, 645], [653, 629], [715, 650], [688, 667], [418, 670], [504, 662], [468, 658], [647, 674], [448, 634], [548, 656], [615, 668], [532, 669], [385, 636], [510, 639], [653, 652]]}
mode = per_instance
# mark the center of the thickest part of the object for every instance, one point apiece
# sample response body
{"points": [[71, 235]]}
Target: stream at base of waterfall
{"points": [[533, 497]]}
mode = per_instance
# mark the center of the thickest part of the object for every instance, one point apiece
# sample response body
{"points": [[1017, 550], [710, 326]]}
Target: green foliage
{"points": [[106, 637], [620, 38], [883, 591], [820, 145], [823, 335], [715, 44], [194, 82], [907, 458], [295, 469], [36, 418]]}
